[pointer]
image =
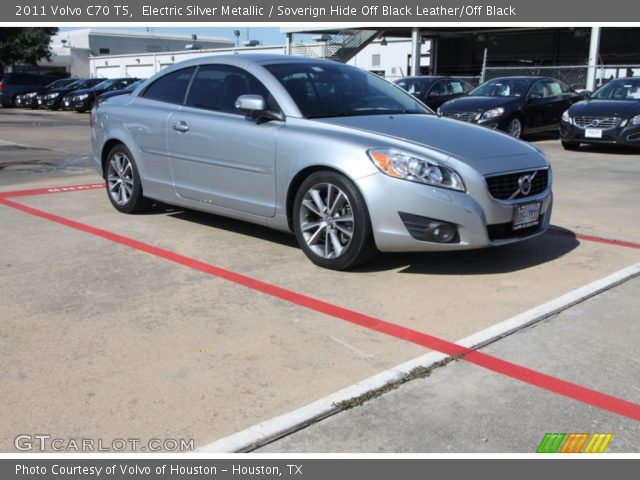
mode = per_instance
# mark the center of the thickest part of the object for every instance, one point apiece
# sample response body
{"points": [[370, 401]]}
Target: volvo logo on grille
{"points": [[524, 182], [458, 115], [595, 123]]}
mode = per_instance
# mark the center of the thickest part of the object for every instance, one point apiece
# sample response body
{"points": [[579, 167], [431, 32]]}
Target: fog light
{"points": [[429, 229], [444, 233]]}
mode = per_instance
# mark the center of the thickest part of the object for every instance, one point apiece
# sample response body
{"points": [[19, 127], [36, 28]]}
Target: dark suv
{"points": [[13, 84]]}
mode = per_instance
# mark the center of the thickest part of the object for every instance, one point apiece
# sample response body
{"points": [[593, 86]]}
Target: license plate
{"points": [[526, 215], [593, 133]]}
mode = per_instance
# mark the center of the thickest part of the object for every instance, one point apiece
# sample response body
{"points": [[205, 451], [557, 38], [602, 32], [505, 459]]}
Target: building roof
{"points": [[113, 32]]}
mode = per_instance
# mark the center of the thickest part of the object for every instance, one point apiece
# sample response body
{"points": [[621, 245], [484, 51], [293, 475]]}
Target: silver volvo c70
{"points": [[349, 162]]}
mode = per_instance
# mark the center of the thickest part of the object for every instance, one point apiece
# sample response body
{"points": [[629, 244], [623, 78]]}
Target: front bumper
{"points": [[627, 135], [480, 221]]}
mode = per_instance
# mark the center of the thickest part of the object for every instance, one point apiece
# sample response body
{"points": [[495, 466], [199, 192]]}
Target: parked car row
{"points": [[528, 105], [79, 94]]}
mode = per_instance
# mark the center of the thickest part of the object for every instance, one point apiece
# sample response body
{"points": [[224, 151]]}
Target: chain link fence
{"points": [[573, 75]]}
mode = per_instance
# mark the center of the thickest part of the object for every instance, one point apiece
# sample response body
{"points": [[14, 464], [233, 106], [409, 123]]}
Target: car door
{"points": [[538, 108], [219, 156], [147, 119], [437, 95], [559, 101]]}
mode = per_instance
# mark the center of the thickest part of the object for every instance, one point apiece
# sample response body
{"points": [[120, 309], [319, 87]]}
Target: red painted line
{"points": [[526, 375], [44, 191], [589, 238]]}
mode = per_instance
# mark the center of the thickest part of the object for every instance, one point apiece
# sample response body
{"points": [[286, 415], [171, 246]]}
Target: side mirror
{"points": [[250, 104], [585, 93], [254, 106]]}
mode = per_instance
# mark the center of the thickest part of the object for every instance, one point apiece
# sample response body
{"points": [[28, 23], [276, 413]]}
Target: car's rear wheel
{"points": [[514, 127], [331, 222], [570, 145], [123, 181]]}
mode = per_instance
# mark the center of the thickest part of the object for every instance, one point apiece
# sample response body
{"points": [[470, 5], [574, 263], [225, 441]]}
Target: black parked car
{"points": [[434, 90], [53, 99], [14, 84], [83, 99], [515, 105], [124, 91], [611, 115], [30, 99]]}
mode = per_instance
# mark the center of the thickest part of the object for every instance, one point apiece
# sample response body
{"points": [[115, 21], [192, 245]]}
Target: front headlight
{"points": [[566, 117], [82, 97], [635, 121], [53, 95], [406, 166], [30, 95], [493, 113]]}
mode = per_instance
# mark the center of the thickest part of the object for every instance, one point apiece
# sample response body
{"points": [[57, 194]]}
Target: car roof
{"points": [[426, 77]]}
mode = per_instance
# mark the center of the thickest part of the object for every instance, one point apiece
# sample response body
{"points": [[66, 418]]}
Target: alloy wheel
{"points": [[120, 178], [326, 220]]}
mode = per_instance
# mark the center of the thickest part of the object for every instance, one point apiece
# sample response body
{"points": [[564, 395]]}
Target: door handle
{"points": [[181, 126]]}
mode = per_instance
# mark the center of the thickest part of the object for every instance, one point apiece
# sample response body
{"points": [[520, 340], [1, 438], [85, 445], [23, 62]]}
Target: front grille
{"points": [[506, 187], [597, 122], [464, 116], [505, 231]]}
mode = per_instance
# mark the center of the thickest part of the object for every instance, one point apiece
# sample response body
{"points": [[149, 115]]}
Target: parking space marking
{"points": [[497, 365], [555, 230], [589, 238], [44, 191]]}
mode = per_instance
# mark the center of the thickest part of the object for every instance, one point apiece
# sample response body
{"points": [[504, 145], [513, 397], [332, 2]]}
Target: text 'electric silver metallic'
{"points": [[346, 160]]}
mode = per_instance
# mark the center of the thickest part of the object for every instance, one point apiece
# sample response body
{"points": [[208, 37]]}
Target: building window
{"points": [[375, 60], [105, 51]]}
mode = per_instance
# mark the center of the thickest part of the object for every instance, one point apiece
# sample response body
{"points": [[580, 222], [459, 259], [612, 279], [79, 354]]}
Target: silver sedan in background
{"points": [[347, 161]]}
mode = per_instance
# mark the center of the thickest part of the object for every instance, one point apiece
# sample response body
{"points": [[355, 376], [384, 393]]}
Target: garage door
{"points": [[140, 71], [108, 72]]}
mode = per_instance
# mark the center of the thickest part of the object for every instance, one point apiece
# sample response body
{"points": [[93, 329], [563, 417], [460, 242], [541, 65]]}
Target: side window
{"points": [[565, 88], [553, 88], [538, 90], [440, 88], [217, 87], [456, 87], [170, 88]]}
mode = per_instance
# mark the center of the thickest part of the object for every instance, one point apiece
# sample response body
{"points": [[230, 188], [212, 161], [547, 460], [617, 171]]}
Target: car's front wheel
{"points": [[123, 181], [331, 222], [514, 127]]}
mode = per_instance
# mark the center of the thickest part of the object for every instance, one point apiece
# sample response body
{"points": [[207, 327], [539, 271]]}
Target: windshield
{"points": [[503, 87], [58, 84], [105, 84], [622, 89], [323, 90]]}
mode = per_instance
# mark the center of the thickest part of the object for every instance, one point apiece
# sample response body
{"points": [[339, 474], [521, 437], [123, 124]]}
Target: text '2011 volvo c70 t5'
{"points": [[348, 162]]}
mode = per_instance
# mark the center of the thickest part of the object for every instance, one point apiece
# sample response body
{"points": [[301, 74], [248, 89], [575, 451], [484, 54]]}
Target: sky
{"points": [[266, 35]]}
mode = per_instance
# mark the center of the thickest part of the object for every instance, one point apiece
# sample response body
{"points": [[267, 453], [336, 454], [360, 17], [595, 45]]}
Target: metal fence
{"points": [[573, 75]]}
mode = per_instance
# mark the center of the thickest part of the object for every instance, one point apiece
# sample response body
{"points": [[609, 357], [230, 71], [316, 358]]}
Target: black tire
{"points": [[570, 145], [359, 247], [131, 200]]}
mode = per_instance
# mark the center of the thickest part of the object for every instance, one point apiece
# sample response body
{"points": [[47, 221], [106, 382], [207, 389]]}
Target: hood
{"points": [[477, 104], [479, 147], [86, 90], [605, 108]]}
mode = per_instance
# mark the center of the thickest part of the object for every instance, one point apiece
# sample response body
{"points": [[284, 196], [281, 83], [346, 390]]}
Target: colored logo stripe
{"points": [[573, 443], [550, 443], [598, 443]]}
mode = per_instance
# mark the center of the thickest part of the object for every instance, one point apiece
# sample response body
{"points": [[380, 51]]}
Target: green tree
{"points": [[26, 45]]}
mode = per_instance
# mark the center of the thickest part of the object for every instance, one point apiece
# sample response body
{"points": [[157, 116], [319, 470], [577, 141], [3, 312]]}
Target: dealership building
{"points": [[73, 49], [582, 56]]}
